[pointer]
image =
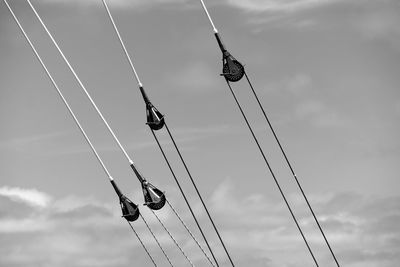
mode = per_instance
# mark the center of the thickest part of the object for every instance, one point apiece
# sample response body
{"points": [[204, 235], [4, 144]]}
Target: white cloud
{"points": [[354, 224], [24, 225], [256, 228], [118, 3], [278, 5], [247, 5], [32, 197]]}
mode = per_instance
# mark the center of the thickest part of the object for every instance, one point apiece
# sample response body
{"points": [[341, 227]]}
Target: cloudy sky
{"points": [[327, 73]]}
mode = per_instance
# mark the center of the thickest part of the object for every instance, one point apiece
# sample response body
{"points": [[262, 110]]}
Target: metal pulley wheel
{"points": [[154, 198], [233, 72], [155, 119], [130, 211]]}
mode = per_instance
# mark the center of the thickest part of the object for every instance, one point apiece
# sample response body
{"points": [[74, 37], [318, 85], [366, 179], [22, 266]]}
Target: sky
{"points": [[327, 73]]}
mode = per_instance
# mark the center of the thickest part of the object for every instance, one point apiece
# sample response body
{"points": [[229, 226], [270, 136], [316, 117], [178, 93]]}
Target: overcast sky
{"points": [[327, 73]]}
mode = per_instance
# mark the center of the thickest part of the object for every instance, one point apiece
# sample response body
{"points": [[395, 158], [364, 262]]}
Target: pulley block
{"points": [[153, 197], [232, 70], [155, 119], [130, 211]]}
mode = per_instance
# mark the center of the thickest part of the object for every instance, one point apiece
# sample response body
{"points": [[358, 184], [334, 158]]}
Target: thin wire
{"points": [[294, 175], [272, 173], [187, 201], [209, 17], [141, 242], [59, 92], [173, 239], [140, 85], [155, 238], [198, 193], [190, 233], [71, 112], [122, 43], [81, 84], [291, 169]]}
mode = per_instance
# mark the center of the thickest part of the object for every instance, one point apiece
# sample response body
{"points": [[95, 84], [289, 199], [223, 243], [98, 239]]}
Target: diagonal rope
{"points": [[209, 17], [72, 114], [59, 91], [190, 233], [188, 204], [122, 43], [199, 195], [173, 239], [140, 85], [155, 238], [271, 171], [141, 242], [81, 84], [291, 168], [276, 138]]}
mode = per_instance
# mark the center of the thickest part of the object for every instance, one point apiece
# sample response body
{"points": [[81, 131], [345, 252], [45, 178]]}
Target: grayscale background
{"points": [[327, 73]]}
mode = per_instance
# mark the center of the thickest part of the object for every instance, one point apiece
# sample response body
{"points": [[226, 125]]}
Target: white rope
{"points": [[155, 238], [122, 44], [190, 233], [81, 84], [209, 17], [72, 114], [59, 91], [173, 239]]}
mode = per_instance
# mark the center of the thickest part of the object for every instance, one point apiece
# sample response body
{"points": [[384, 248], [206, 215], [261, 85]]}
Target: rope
{"points": [[81, 84], [190, 233], [173, 239], [272, 173], [59, 92], [209, 17], [141, 242], [291, 168], [71, 112], [140, 85], [155, 238], [198, 193], [188, 204], [122, 43]]}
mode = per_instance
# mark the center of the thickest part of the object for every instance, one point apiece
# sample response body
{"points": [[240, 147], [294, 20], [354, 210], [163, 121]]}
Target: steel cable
{"points": [[155, 238], [272, 173], [276, 138], [187, 203], [141, 242], [173, 239], [199, 195], [81, 84], [291, 169], [140, 85], [72, 114], [190, 233]]}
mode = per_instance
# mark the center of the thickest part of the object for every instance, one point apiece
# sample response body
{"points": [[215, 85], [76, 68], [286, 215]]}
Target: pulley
{"points": [[130, 210], [153, 197], [155, 119], [232, 69]]}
